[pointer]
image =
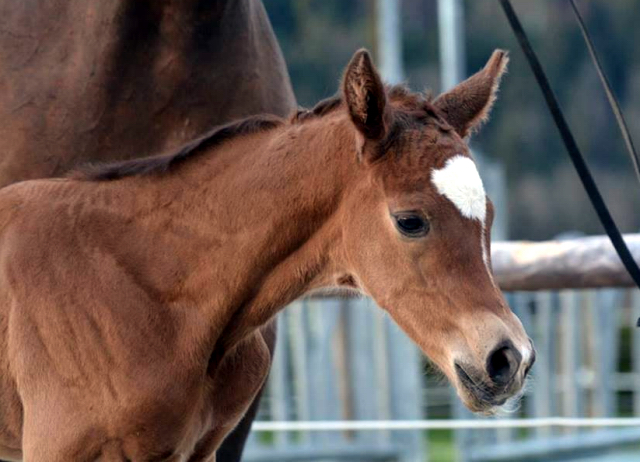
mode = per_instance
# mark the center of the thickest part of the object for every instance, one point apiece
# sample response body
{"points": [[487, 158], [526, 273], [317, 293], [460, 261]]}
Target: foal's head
{"points": [[417, 229]]}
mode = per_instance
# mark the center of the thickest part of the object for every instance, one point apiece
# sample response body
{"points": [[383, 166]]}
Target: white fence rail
{"points": [[442, 424]]}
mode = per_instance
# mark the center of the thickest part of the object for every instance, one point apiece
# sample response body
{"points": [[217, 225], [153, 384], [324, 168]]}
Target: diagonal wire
{"points": [[613, 102]]}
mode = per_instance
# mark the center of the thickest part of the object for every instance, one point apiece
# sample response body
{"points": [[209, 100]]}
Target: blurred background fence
{"points": [[344, 360]]}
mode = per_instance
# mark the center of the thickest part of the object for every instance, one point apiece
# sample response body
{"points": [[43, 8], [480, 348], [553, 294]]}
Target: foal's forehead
{"points": [[458, 181], [436, 155]]}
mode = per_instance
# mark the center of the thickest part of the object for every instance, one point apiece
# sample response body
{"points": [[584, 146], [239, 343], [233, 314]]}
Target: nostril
{"points": [[499, 366], [503, 363]]}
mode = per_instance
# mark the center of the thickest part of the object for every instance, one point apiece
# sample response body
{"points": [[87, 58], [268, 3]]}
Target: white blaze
{"points": [[460, 182]]}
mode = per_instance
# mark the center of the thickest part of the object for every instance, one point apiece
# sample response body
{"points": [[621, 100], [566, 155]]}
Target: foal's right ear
{"points": [[365, 96], [467, 105]]}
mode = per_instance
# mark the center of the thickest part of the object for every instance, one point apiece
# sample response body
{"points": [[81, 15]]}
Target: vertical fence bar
{"points": [[280, 383], [389, 40], [607, 302], [543, 396], [381, 366], [364, 382], [571, 359], [299, 365], [406, 390], [322, 321], [451, 40]]}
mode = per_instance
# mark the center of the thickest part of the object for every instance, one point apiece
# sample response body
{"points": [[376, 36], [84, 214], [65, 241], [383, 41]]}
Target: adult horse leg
{"points": [[238, 382], [10, 454], [233, 445]]}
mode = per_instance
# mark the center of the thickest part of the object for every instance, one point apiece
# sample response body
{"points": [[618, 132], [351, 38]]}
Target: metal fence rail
{"points": [[442, 424]]}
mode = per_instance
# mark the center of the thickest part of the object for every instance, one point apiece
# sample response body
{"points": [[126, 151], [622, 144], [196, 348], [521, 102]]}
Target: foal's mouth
{"points": [[483, 397]]}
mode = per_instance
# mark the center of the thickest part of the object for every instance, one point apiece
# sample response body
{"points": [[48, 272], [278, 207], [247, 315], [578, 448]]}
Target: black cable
{"points": [[572, 148], [613, 102]]}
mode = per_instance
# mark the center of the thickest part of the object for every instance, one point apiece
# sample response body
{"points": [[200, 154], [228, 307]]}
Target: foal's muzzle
{"points": [[503, 377]]}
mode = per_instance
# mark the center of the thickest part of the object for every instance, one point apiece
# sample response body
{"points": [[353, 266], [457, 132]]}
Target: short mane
{"points": [[410, 107], [322, 108], [164, 163]]}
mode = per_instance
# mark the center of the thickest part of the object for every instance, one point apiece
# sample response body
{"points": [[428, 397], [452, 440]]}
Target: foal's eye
{"points": [[411, 224]]}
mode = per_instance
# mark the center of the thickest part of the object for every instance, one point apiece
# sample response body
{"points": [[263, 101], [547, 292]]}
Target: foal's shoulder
{"points": [[44, 191], [37, 222], [33, 189], [38, 201]]}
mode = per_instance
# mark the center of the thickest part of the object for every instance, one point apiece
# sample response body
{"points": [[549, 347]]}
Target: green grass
{"points": [[441, 445]]}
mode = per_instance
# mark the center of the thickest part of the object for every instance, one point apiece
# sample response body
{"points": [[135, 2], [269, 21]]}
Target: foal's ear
{"points": [[467, 105], [365, 96]]}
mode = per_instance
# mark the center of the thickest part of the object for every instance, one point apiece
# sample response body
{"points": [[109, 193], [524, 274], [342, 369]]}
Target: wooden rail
{"points": [[588, 262], [582, 263]]}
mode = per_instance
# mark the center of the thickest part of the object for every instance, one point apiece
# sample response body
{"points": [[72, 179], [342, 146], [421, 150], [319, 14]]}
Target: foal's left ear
{"points": [[365, 96], [467, 105]]}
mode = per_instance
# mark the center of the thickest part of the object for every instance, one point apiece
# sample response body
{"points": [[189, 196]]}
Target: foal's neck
{"points": [[271, 202]]}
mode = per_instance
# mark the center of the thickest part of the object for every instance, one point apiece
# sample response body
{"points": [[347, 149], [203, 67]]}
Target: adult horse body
{"points": [[85, 81], [130, 295], [89, 80]]}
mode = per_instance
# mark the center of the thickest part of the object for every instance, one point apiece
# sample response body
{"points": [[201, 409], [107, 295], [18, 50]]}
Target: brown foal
{"points": [[128, 292]]}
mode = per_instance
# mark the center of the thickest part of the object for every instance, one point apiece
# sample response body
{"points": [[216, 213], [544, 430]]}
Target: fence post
{"points": [[299, 355], [322, 394], [405, 385], [363, 381], [604, 338], [543, 396], [572, 393], [280, 383]]}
